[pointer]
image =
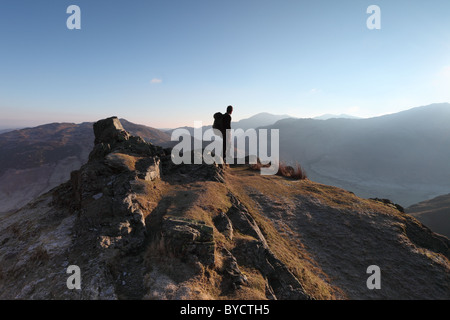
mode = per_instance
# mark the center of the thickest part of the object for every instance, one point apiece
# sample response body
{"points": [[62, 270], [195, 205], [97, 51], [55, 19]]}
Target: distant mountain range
{"points": [[334, 116], [403, 156], [256, 121], [8, 130]]}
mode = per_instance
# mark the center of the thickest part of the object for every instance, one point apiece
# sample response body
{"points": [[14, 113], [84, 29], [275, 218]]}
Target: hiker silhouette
{"points": [[222, 123], [226, 134]]}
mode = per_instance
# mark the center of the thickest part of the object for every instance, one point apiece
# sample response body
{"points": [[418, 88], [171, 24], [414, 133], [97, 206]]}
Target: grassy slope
{"points": [[434, 213], [326, 236]]}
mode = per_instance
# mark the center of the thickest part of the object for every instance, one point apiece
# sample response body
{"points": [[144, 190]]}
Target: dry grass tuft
{"points": [[297, 172]]}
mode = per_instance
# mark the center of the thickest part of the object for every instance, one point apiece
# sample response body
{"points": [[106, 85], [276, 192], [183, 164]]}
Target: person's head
{"points": [[230, 109]]}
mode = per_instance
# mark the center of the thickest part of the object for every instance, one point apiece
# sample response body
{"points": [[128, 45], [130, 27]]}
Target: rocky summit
{"points": [[140, 227]]}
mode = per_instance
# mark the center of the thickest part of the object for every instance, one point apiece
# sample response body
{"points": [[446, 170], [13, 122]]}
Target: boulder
{"points": [[243, 221], [149, 169], [282, 284], [187, 238], [389, 203], [118, 161], [109, 131], [234, 278], [224, 225]]}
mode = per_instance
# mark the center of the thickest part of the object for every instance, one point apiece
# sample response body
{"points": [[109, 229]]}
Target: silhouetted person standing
{"points": [[226, 124]]}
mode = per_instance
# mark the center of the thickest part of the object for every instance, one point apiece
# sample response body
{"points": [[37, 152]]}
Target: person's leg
{"points": [[224, 147], [228, 154]]}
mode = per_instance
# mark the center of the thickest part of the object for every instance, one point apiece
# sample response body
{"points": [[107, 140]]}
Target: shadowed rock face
{"points": [[118, 166], [140, 227], [189, 238], [109, 131]]}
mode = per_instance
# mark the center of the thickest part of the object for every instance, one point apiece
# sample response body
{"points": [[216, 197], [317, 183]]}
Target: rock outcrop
{"points": [[189, 239]]}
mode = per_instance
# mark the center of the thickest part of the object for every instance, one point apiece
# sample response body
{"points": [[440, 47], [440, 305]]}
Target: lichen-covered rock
{"points": [[224, 225], [188, 237], [234, 278], [281, 281], [243, 221]]}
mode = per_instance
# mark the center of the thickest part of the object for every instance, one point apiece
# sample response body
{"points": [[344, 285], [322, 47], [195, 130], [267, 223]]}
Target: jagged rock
{"points": [[146, 168], [109, 131], [138, 146], [117, 161], [110, 137], [390, 204], [187, 237], [103, 190], [282, 282], [233, 275], [224, 225], [270, 295], [149, 169], [257, 253], [196, 172], [243, 221]]}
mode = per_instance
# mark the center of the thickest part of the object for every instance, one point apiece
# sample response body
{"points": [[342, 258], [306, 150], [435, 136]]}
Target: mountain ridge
{"points": [[328, 116], [140, 227], [405, 155], [434, 213], [401, 156]]}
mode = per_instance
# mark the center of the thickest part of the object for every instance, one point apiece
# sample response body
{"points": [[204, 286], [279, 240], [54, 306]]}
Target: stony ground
{"points": [[345, 234]]}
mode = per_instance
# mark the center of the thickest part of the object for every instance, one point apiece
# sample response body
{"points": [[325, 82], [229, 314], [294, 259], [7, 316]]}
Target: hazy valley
{"points": [[402, 157]]}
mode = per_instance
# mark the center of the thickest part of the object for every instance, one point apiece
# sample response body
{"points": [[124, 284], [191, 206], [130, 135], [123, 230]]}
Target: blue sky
{"points": [[169, 63]]}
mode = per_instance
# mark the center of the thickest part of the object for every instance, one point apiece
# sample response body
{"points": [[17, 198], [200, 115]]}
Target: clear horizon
{"points": [[168, 64]]}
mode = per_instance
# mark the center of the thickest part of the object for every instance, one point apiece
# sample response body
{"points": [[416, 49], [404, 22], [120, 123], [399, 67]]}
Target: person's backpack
{"points": [[218, 122]]}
